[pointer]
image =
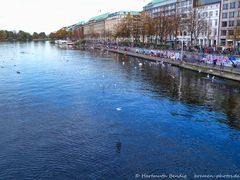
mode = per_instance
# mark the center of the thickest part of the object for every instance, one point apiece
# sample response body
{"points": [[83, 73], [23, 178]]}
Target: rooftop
{"points": [[156, 3], [100, 17], [80, 23], [134, 13]]}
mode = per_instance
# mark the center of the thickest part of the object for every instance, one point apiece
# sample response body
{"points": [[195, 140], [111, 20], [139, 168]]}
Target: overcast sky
{"points": [[50, 15]]}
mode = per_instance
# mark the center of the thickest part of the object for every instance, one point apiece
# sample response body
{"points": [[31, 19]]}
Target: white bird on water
{"points": [[213, 77], [140, 64], [119, 109], [208, 76]]}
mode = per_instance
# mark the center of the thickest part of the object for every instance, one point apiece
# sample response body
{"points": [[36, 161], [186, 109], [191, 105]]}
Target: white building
{"points": [[183, 8], [210, 14], [230, 22], [114, 19]]}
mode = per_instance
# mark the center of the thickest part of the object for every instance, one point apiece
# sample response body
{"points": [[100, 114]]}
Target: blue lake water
{"points": [[71, 114]]}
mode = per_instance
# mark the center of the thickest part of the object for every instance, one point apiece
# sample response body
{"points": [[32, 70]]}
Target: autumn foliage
{"points": [[60, 34]]}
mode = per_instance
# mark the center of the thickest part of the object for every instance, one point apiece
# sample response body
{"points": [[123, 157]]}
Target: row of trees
{"points": [[144, 26], [157, 29], [20, 36], [40, 36], [162, 27]]}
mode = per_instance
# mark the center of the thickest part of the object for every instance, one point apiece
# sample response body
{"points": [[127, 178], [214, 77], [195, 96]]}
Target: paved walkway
{"points": [[225, 72]]}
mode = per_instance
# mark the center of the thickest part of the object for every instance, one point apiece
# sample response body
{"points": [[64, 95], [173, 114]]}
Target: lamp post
{"points": [[182, 48]]}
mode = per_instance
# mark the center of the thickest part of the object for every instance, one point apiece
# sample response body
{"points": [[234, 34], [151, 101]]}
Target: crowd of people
{"points": [[193, 57], [205, 56]]}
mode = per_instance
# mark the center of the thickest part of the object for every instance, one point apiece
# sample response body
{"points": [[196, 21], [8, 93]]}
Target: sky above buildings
{"points": [[50, 15]]}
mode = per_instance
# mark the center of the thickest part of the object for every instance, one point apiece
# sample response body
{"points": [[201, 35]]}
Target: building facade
{"points": [[210, 15], [78, 31], [183, 9], [197, 3], [157, 7], [229, 23], [113, 20], [161, 8], [221, 22], [95, 27], [207, 10]]}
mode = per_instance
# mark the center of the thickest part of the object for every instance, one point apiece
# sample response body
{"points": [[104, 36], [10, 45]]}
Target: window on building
{"points": [[224, 15], [211, 14], [216, 22], [205, 14], [199, 15], [238, 14], [184, 15], [238, 22], [231, 14], [224, 24], [225, 6], [223, 32], [223, 42], [231, 23], [210, 22], [216, 13], [230, 32], [232, 5]]}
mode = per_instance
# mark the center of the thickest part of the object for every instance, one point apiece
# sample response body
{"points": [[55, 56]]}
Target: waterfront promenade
{"points": [[214, 70]]}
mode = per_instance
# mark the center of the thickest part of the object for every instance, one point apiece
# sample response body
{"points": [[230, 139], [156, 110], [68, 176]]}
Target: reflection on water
{"points": [[191, 88], [72, 114]]}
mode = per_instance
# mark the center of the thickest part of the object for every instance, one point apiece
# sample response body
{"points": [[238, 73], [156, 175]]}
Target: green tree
{"points": [[42, 35], [3, 35], [23, 36], [11, 36], [60, 34], [35, 35]]}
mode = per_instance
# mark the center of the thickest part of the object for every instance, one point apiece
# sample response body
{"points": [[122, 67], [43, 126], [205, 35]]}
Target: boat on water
{"points": [[64, 42], [60, 42], [70, 43]]}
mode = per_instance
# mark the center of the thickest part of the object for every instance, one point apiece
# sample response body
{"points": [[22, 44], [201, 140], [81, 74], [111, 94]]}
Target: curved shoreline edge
{"points": [[226, 72]]}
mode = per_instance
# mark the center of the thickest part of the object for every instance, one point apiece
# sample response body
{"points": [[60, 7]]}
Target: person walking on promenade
{"points": [[214, 62], [222, 60]]}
